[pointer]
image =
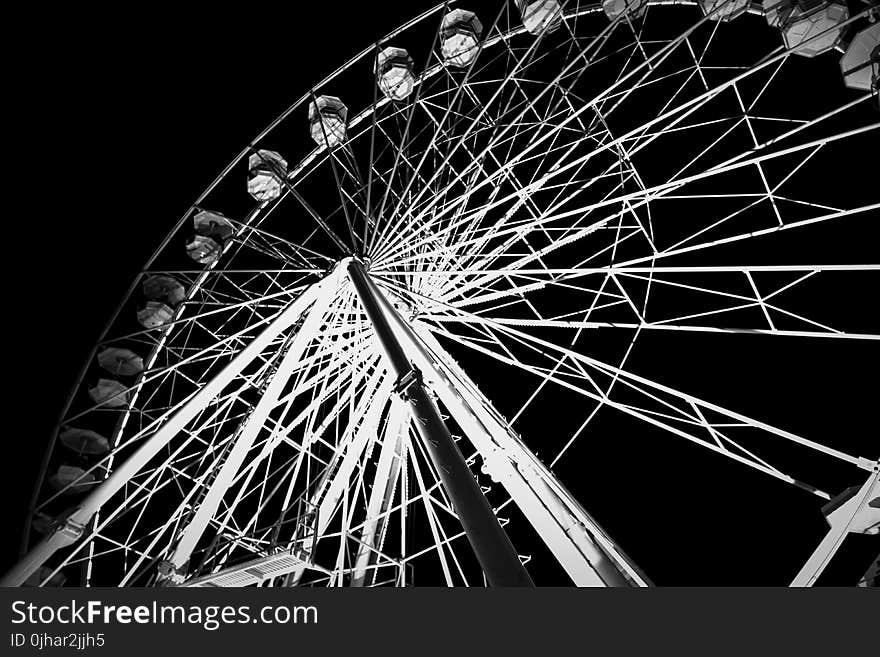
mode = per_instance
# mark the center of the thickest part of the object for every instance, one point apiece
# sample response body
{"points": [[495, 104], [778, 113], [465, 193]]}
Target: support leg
{"points": [[493, 548]]}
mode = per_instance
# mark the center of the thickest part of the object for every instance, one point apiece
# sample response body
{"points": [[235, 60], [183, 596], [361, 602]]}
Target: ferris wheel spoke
{"points": [[281, 296], [572, 236], [289, 190], [371, 160], [662, 54], [251, 236], [345, 198], [686, 108], [658, 191], [122, 474], [779, 57], [340, 386], [573, 324], [279, 250], [401, 154], [370, 390], [353, 442], [457, 222], [285, 250], [649, 416], [291, 470], [562, 236], [758, 148], [162, 375], [403, 160], [541, 119], [638, 383], [534, 210], [137, 495], [518, 229], [433, 523], [851, 212], [733, 416], [385, 482], [516, 232], [448, 113], [221, 347]]}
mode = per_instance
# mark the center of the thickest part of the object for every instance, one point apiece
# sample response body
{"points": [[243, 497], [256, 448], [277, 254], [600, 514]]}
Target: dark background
{"points": [[121, 120]]}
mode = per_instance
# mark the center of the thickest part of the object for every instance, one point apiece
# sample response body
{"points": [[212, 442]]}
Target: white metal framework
{"points": [[545, 204]]}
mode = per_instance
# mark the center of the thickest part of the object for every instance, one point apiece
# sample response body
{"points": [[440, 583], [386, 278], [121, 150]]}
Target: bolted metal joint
{"points": [[406, 380], [70, 531]]}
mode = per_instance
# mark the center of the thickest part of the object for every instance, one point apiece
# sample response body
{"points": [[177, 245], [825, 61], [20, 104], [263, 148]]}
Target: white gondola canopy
{"points": [[110, 393], [394, 73], [630, 8], [266, 169], [460, 34], [540, 15], [724, 10], [860, 64], [327, 120], [84, 441], [809, 27], [155, 314], [164, 288], [203, 249], [121, 362], [213, 224]]}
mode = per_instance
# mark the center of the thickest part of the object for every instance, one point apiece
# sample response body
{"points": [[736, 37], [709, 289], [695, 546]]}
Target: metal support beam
{"points": [[493, 548]]}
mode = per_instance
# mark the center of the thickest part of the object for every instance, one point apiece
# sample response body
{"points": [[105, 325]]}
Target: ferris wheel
{"points": [[496, 202]]}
